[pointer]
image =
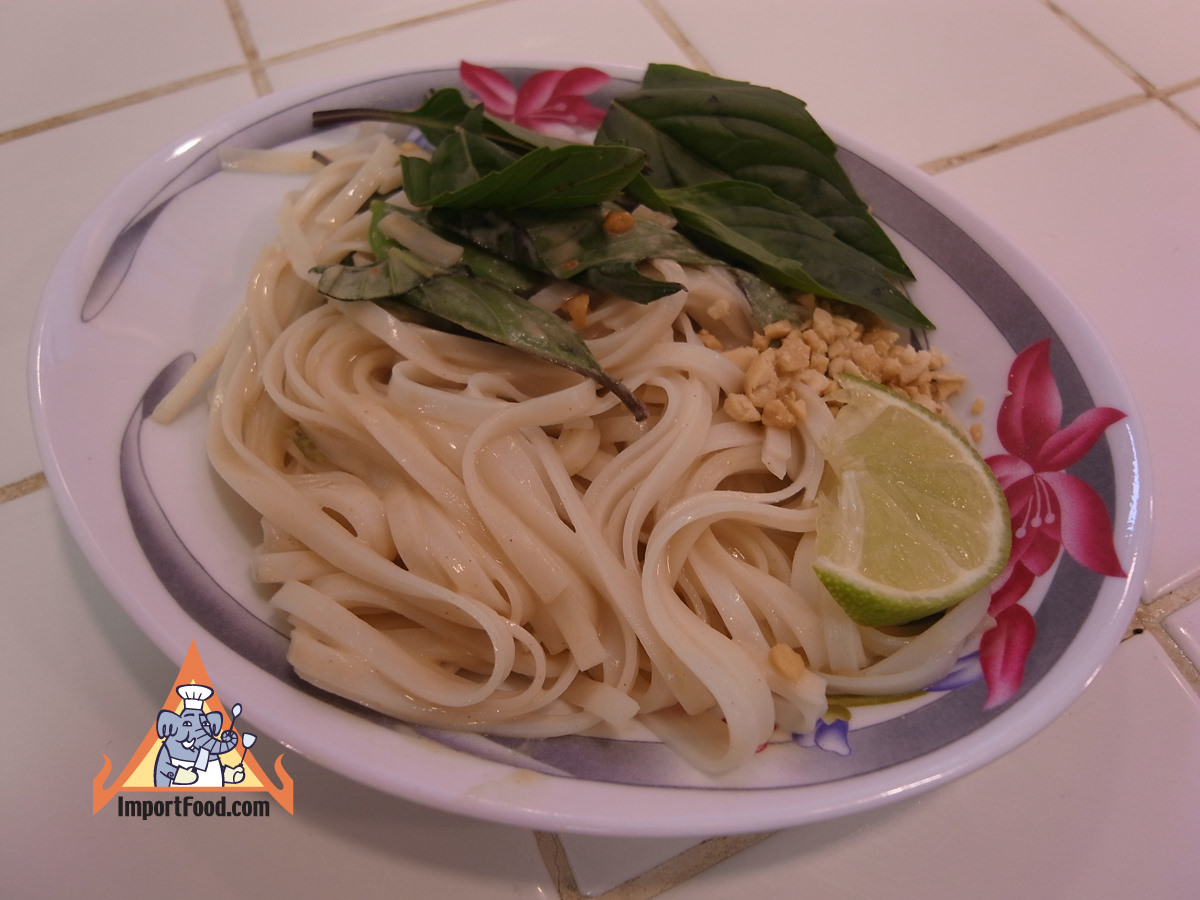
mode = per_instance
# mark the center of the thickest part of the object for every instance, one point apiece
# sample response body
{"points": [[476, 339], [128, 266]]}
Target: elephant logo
{"points": [[192, 743], [189, 749]]}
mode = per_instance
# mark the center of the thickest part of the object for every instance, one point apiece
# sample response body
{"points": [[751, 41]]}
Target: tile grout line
{"points": [[558, 865], [1170, 103], [655, 880], [677, 35], [255, 66], [349, 39], [1151, 90], [27, 485], [1075, 25], [683, 866], [1150, 619], [241, 25], [1149, 93], [117, 103], [936, 166]]}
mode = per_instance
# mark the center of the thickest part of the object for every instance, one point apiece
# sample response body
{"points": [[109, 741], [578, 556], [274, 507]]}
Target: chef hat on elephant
{"points": [[194, 695]]}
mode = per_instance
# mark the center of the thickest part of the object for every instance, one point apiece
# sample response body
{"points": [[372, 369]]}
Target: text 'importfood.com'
{"points": [[185, 805]]}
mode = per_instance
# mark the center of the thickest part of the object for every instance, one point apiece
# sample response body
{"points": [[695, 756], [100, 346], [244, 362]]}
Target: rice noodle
{"points": [[467, 537]]}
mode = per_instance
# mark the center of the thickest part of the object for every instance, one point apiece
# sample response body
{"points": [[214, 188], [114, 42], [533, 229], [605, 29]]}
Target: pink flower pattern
{"points": [[551, 101], [1051, 509]]}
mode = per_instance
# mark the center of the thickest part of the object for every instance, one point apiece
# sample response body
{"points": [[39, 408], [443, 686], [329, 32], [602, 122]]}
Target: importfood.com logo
{"points": [[192, 751]]}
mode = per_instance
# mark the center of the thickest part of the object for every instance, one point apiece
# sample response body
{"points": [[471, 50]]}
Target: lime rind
{"points": [[914, 521]]}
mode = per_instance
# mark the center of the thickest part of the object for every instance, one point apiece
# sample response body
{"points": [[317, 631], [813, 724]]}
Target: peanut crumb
{"points": [[786, 362], [740, 408], [739, 356], [618, 221], [577, 307], [776, 414], [777, 330], [787, 662]]}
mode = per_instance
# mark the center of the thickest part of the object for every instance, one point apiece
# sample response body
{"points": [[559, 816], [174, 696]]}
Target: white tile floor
{"points": [[944, 77], [60, 56], [280, 27], [79, 163], [1030, 824], [1154, 38], [1183, 624], [621, 32], [1073, 125], [1100, 222]]}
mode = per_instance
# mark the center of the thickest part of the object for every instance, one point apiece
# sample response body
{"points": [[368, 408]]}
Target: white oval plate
{"points": [[155, 270]]}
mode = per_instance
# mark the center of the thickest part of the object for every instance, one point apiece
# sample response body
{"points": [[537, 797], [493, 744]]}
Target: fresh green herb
{"points": [[576, 244], [477, 295], [472, 170], [787, 247], [436, 119], [490, 311], [392, 275], [697, 128], [466, 173], [749, 178], [767, 303]]}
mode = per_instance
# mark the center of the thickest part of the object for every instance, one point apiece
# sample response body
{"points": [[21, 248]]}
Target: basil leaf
{"points": [[500, 271], [574, 245], [579, 240], [570, 243], [492, 312], [468, 298], [475, 259], [624, 280], [785, 245], [465, 173], [463, 157], [393, 274], [436, 118], [767, 304], [697, 128], [489, 230]]}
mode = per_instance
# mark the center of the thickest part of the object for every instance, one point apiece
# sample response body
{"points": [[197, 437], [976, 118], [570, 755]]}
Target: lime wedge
{"points": [[912, 520]]}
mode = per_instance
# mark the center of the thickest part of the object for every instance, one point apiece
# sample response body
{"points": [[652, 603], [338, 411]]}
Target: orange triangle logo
{"points": [[164, 763]]}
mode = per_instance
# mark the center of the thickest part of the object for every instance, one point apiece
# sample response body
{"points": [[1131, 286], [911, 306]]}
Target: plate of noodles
{"points": [[562, 594]]}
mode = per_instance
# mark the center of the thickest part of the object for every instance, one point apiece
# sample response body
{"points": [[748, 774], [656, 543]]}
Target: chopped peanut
{"points": [[784, 360], [777, 330], [796, 406], [762, 381], [618, 221], [739, 356], [740, 408], [794, 354], [775, 414], [577, 308], [787, 662]]}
